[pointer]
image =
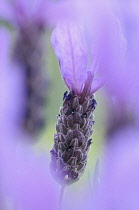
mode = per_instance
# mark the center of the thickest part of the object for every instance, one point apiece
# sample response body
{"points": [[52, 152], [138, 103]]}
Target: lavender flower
{"points": [[74, 127], [31, 19], [25, 182], [28, 54]]}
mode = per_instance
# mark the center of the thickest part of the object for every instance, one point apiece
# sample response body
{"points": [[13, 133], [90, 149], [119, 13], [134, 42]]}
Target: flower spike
{"points": [[74, 127]]}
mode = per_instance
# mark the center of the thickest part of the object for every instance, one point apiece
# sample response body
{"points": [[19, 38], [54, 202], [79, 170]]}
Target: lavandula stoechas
{"points": [[74, 127], [28, 53], [29, 23], [31, 19], [23, 172]]}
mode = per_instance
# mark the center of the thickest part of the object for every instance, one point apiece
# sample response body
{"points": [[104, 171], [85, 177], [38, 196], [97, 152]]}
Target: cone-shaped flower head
{"points": [[74, 127]]}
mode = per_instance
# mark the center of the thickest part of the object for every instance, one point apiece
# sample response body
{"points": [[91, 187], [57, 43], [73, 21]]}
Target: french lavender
{"points": [[75, 121]]}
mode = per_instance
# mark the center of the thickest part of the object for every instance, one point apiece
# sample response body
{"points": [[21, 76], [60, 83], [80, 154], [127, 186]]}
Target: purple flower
{"points": [[31, 19], [74, 127], [28, 51], [24, 176], [68, 40]]}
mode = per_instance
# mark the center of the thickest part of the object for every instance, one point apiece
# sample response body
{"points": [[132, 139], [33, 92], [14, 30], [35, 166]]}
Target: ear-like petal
{"points": [[97, 84], [70, 48]]}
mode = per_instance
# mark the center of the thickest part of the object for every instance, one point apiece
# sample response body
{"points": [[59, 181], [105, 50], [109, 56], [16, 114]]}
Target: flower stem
{"points": [[61, 196], [96, 178]]}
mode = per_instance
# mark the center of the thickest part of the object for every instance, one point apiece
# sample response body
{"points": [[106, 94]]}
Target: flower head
{"points": [[75, 121]]}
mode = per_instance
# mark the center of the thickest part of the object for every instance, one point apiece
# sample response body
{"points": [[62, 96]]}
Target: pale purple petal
{"points": [[111, 48], [70, 48], [97, 84], [6, 11], [106, 41], [130, 25]]}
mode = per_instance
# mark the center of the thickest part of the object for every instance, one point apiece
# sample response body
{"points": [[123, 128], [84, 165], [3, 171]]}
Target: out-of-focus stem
{"points": [[96, 176], [94, 186], [61, 197]]}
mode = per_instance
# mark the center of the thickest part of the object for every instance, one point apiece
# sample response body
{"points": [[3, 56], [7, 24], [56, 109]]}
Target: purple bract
{"points": [[68, 40]]}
